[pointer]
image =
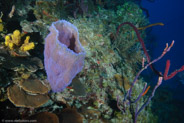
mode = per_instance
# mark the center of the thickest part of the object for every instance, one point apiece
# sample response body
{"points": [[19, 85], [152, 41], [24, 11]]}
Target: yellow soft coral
{"points": [[26, 40], [1, 26], [7, 40], [14, 41], [27, 46], [1, 23], [16, 37]]}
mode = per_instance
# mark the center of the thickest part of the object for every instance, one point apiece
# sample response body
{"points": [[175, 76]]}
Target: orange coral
{"points": [[145, 92]]}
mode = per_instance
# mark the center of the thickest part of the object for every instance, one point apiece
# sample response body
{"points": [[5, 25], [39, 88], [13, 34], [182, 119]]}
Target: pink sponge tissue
{"points": [[63, 55]]}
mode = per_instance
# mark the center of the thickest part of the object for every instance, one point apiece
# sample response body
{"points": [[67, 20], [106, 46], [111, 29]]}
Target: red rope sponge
{"points": [[166, 76]]}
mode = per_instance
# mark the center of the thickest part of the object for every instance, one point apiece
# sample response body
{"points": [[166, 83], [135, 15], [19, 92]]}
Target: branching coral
{"points": [[142, 43], [128, 97]]}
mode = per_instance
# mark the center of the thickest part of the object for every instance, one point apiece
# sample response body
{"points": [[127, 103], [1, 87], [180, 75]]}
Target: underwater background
{"points": [[171, 14], [91, 61]]}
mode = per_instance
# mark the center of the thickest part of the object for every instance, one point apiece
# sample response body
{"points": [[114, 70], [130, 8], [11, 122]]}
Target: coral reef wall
{"points": [[110, 62]]}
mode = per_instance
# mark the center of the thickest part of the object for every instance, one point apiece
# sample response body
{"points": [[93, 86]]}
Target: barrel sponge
{"points": [[63, 55]]}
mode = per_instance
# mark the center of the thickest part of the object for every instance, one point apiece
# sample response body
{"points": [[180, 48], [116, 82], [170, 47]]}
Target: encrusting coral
{"points": [[22, 99], [34, 86], [30, 93], [122, 81], [44, 117], [67, 113], [14, 41]]}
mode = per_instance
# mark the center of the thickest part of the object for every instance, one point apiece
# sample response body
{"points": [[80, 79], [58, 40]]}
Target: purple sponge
{"points": [[63, 55]]}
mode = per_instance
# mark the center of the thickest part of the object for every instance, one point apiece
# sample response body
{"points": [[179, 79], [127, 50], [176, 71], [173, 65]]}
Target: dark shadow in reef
{"points": [[8, 111]]}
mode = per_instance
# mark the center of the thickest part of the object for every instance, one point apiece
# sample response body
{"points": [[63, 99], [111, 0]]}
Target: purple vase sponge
{"points": [[63, 55]]}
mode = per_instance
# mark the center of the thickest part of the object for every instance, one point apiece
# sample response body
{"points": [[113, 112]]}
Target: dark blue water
{"points": [[171, 13]]}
